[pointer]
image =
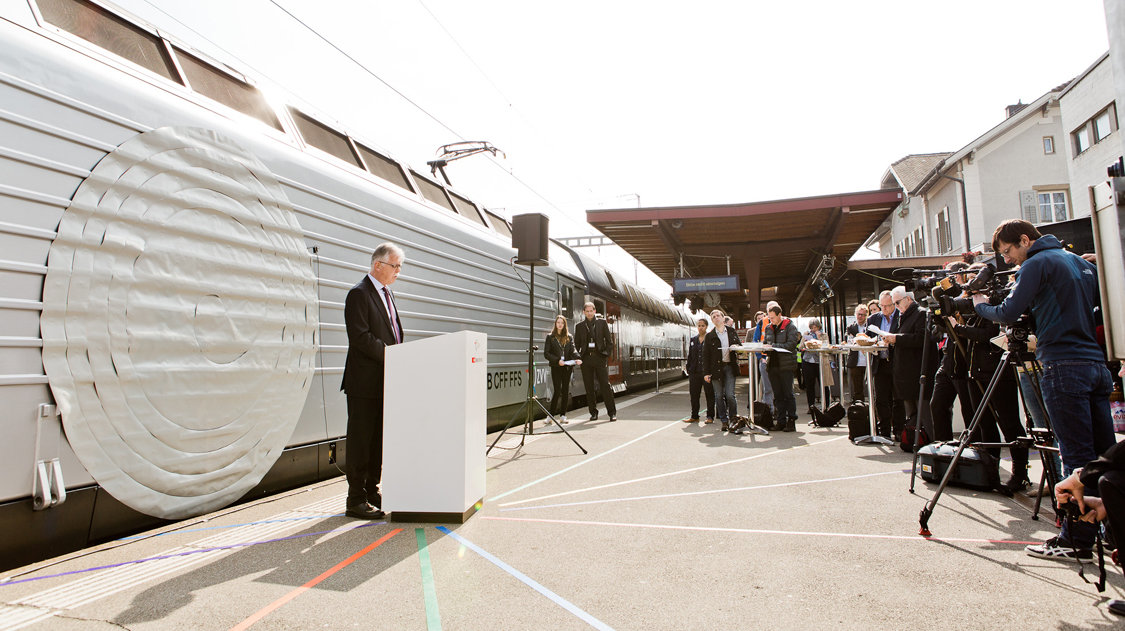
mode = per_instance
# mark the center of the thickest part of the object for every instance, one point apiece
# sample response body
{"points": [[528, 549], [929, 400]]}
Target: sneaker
{"points": [[1016, 483], [1059, 549], [562, 419]]}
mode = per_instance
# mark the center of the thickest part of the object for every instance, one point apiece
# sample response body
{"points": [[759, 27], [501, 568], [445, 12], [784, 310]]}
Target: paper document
{"points": [[871, 328], [570, 362]]}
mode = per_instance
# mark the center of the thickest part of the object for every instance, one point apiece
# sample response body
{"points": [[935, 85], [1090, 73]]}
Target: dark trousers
{"points": [[941, 406], [695, 384], [784, 403], [812, 382], [560, 385], [884, 398], [594, 368], [857, 380], [1112, 489], [1005, 404], [363, 462]]}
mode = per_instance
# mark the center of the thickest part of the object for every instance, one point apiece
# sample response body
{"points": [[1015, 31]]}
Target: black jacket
{"points": [[878, 363], [695, 356], [784, 335], [553, 351], [369, 334], [983, 354], [713, 352], [598, 332], [906, 360]]}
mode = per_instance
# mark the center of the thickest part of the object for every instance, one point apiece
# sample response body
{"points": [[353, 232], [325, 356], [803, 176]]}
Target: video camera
{"points": [[945, 293]]}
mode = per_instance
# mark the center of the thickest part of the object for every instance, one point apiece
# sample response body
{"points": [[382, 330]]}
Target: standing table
{"points": [[874, 436], [748, 349], [824, 355]]}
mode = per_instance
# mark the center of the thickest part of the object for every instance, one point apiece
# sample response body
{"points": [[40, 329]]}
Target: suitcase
{"points": [[977, 469]]}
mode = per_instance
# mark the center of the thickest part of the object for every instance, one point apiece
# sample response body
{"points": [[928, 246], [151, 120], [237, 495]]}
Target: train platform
{"points": [[663, 525]]}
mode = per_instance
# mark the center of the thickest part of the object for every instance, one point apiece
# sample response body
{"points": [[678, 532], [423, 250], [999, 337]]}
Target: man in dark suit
{"points": [[857, 361], [594, 344], [372, 321], [881, 366], [908, 337]]}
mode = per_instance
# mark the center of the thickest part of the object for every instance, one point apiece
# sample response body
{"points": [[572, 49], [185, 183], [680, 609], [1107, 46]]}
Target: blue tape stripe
{"points": [[559, 600], [429, 592]]}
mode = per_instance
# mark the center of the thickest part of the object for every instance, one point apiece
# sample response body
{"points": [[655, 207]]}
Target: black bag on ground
{"points": [[859, 423], [830, 417], [763, 415], [977, 468]]}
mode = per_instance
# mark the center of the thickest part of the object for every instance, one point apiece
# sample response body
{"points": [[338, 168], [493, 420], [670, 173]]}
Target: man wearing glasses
{"points": [[907, 337], [1060, 289], [881, 366], [372, 321]]}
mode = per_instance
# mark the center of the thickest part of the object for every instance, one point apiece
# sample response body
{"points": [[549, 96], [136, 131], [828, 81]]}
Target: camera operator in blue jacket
{"points": [[1060, 290]]}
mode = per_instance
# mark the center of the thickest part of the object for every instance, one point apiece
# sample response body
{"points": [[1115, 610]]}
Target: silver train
{"points": [[174, 256]]}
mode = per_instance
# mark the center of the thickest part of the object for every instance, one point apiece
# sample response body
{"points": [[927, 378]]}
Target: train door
{"points": [[614, 363]]}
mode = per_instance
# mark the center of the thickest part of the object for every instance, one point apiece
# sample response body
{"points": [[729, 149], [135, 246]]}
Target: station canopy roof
{"points": [[779, 243]]}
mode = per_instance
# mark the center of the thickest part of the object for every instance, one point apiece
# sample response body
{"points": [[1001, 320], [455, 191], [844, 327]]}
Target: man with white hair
{"points": [[907, 337]]}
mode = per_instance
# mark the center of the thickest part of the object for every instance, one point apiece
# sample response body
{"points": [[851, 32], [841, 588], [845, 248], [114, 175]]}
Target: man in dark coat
{"points": [[372, 322], [908, 335], [782, 334], [857, 361], [594, 344], [881, 373]]}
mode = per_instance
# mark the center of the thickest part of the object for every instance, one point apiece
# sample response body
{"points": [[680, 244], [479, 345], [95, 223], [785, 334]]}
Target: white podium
{"points": [[434, 428]]}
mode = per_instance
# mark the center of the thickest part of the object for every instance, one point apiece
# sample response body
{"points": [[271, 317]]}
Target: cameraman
{"points": [[952, 379], [1002, 413], [1061, 291]]}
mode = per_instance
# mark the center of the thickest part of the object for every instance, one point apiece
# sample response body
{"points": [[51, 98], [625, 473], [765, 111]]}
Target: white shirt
{"points": [[724, 341]]}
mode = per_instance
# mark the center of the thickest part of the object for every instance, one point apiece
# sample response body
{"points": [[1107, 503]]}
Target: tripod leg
{"points": [[928, 509], [557, 424]]}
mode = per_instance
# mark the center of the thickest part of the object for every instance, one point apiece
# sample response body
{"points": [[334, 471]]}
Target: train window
{"points": [[466, 208], [433, 192], [216, 84], [325, 138], [498, 224], [102, 28], [612, 283], [384, 167]]}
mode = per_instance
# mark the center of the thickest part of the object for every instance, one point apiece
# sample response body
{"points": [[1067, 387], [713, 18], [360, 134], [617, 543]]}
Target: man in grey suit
{"points": [[373, 324]]}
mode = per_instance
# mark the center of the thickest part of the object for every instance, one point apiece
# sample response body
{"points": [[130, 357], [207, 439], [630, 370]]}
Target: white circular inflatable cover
{"points": [[179, 315]]}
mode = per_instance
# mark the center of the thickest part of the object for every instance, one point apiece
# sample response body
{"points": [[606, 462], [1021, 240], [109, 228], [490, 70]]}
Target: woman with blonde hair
{"points": [[559, 349]]}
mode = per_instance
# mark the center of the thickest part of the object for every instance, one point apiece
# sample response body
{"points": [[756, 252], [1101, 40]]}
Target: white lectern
{"points": [[434, 428]]}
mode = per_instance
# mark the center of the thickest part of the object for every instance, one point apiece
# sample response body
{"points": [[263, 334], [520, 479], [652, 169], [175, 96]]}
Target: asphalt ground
{"points": [[663, 525]]}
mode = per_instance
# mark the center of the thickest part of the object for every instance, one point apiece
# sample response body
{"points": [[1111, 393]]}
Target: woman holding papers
{"points": [[562, 357]]}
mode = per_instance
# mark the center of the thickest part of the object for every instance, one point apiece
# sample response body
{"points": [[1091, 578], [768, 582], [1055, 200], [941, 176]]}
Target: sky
{"points": [[622, 103]]}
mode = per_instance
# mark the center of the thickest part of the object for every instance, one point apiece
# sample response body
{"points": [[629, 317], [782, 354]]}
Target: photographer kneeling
{"points": [[1061, 291], [1105, 477]]}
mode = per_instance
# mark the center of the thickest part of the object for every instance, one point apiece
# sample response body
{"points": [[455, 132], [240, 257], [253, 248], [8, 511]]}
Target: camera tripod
{"points": [[1040, 440]]}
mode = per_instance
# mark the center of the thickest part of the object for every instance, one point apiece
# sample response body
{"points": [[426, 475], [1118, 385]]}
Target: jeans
{"points": [[1077, 396], [726, 407], [764, 379], [1031, 403]]}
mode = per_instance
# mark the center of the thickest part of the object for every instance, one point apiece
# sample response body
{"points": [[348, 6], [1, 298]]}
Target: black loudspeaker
{"points": [[529, 238]]}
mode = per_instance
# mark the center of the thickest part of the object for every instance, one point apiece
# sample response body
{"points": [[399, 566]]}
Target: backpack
{"points": [[830, 417], [859, 423], [907, 439]]}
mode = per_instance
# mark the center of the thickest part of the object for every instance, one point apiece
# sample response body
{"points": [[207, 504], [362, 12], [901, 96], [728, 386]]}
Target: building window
{"points": [[1081, 137], [919, 242], [1052, 206], [1105, 123], [943, 235], [1048, 144]]}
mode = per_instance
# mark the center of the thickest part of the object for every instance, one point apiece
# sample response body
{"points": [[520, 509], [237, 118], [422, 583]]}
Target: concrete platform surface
{"points": [[663, 525]]}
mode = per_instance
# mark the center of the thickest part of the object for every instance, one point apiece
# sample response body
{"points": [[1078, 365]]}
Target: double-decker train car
{"points": [[175, 249]]}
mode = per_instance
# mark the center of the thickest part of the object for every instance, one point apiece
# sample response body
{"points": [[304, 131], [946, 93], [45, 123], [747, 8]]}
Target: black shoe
{"points": [[594, 415], [364, 511], [725, 427], [1116, 606], [613, 419], [1016, 483], [791, 425]]}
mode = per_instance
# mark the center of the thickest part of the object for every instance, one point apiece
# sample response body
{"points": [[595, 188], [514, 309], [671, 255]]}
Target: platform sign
{"points": [[719, 284]]}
